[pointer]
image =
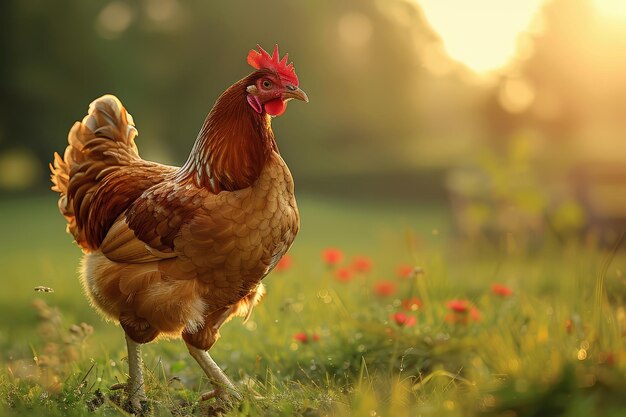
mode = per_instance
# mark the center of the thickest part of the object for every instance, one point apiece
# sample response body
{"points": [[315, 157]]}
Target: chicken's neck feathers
{"points": [[233, 145]]}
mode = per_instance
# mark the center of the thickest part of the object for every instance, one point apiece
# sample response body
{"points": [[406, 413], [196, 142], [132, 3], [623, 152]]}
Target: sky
{"points": [[486, 35]]}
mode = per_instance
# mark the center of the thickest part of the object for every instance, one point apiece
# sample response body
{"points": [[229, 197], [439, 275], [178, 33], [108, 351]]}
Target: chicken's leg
{"points": [[223, 388], [135, 387]]}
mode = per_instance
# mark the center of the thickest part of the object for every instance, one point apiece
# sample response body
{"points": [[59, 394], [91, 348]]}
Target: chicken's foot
{"points": [[135, 386], [223, 388]]}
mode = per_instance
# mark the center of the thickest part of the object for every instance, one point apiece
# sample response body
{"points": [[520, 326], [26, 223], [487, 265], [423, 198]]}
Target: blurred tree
{"points": [[375, 109], [571, 93]]}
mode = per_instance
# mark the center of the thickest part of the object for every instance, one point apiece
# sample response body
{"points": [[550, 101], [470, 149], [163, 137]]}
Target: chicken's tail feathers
{"points": [[60, 178], [106, 127], [108, 119], [102, 142]]}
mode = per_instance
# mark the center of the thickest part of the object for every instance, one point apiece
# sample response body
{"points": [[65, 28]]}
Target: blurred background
{"points": [[511, 115], [482, 141]]}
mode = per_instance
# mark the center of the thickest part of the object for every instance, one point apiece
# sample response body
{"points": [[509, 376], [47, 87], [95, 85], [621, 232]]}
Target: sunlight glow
{"points": [[516, 94], [355, 29], [612, 9], [482, 34], [114, 19]]}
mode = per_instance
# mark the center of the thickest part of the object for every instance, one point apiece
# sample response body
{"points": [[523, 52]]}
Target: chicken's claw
{"points": [[221, 394]]}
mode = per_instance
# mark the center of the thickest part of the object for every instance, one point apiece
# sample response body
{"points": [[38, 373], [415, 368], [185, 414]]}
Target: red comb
{"points": [[261, 59]]}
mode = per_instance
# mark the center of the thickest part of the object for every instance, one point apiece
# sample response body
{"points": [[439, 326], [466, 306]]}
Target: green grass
{"points": [[554, 347]]}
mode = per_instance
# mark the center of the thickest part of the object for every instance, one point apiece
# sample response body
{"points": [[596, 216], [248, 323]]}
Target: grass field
{"points": [[548, 342]]}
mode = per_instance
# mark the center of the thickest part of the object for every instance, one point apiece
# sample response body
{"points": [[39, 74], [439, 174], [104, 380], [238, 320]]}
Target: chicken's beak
{"points": [[295, 92]]}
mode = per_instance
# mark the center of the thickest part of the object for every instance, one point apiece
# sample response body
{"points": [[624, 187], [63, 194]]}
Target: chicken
{"points": [[177, 252]]}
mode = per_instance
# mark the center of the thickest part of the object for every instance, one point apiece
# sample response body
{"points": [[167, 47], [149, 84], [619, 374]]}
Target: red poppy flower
{"points": [[332, 256], [462, 312], [411, 304], [384, 288], [474, 314], [405, 271], [362, 264], [284, 264], [501, 290], [404, 320], [609, 358], [458, 306], [301, 337], [344, 274]]}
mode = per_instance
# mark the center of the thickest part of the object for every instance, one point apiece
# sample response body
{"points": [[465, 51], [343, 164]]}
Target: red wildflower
{"points": [[344, 274], [501, 290], [301, 337], [569, 326], [362, 264], [284, 264], [403, 320], [474, 314], [405, 271], [384, 288], [462, 312], [332, 256], [458, 306], [411, 304], [608, 358]]}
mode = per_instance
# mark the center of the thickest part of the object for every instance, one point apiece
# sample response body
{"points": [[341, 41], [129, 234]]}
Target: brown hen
{"points": [[179, 251]]}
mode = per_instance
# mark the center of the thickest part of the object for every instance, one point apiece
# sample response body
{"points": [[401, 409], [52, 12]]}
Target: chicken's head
{"points": [[273, 84]]}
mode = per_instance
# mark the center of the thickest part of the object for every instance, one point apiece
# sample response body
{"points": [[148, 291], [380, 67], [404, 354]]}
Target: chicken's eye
{"points": [[267, 84]]}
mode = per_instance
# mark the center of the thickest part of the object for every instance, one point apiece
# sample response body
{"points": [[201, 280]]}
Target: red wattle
{"points": [[275, 107]]}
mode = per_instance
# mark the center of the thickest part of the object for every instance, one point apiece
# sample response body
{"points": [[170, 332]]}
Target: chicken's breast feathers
{"points": [[229, 241]]}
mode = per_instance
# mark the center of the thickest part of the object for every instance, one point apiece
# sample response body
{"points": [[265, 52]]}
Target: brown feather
{"points": [[233, 144]]}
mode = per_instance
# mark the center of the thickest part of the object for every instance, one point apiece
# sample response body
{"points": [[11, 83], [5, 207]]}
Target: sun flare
{"points": [[612, 9], [482, 34]]}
